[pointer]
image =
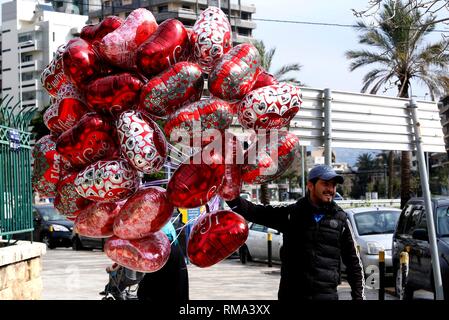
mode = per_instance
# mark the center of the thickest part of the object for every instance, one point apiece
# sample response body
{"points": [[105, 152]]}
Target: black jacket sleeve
{"points": [[269, 216], [353, 263]]}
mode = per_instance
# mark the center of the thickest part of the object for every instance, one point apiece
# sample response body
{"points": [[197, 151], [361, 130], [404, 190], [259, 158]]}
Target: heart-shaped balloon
{"points": [[267, 160], [145, 255], [107, 181], [165, 47], [114, 94], [235, 73], [46, 167], [142, 141], [270, 107], [264, 79], [211, 37], [91, 139], [67, 109], [81, 63], [67, 200], [196, 119], [97, 220], [215, 236], [120, 46], [145, 212], [181, 84], [53, 77], [95, 32], [193, 185]]}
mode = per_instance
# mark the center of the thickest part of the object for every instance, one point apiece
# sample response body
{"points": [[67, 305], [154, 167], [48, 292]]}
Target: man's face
{"points": [[322, 192]]}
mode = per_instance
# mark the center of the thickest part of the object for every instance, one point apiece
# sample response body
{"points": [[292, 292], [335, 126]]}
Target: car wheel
{"points": [[46, 239], [244, 254], [76, 244]]}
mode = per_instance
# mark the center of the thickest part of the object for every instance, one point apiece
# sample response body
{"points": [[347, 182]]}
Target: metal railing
{"points": [[15, 169]]}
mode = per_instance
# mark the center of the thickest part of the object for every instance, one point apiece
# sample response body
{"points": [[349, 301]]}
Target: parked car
{"points": [[373, 229], [80, 242], [50, 227], [256, 246], [411, 235]]}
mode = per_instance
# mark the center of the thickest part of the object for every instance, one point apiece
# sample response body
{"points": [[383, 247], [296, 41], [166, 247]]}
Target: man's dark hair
{"points": [[314, 180]]}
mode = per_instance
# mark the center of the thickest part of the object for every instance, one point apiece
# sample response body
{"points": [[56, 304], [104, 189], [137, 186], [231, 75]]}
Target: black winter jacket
{"points": [[311, 250]]}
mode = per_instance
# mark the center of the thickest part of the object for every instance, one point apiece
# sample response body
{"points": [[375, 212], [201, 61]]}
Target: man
{"points": [[317, 236]]}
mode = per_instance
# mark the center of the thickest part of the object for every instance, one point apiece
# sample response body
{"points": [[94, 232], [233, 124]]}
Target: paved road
{"points": [[81, 275]]}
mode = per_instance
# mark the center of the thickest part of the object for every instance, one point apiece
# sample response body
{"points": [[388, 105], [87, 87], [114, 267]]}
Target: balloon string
{"points": [[182, 228], [170, 166], [175, 160], [172, 147]]}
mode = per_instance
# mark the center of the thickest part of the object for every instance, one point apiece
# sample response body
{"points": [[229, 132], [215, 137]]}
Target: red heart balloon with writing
{"points": [[168, 45], [181, 84], [67, 200], [108, 181], [145, 212], [97, 220], [53, 77], [66, 111], [91, 139], [215, 236], [145, 255], [235, 73], [270, 107], [142, 141]]}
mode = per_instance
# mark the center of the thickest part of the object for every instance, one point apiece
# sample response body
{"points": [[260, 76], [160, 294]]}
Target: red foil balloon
{"points": [[145, 212], [47, 166], [81, 63], [264, 79], [67, 109], [114, 94], [270, 160], [270, 107], [211, 37], [215, 236], [145, 255], [193, 185], [107, 181], [53, 77], [142, 142], [235, 73], [181, 84], [97, 220], [120, 46], [95, 32], [167, 46], [67, 200], [92, 139], [196, 118]]}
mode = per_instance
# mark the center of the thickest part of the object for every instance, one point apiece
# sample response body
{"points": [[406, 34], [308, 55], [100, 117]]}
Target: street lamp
{"points": [[20, 69]]}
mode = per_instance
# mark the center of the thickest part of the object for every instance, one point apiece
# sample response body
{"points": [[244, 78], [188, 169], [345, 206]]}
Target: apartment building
{"points": [[30, 34]]}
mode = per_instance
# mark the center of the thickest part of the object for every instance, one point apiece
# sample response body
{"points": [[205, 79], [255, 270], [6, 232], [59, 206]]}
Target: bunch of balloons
{"points": [[111, 87]]}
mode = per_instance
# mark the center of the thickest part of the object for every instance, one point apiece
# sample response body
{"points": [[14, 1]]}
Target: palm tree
{"points": [[401, 56], [280, 75]]}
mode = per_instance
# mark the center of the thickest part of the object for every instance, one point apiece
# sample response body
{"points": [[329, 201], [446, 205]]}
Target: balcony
{"points": [[35, 65], [30, 85]]}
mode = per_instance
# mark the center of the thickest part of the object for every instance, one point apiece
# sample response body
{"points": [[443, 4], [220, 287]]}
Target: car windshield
{"points": [[443, 221], [49, 214], [376, 222]]}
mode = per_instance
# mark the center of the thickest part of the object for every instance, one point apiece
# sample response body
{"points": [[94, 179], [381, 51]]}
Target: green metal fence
{"points": [[16, 196]]}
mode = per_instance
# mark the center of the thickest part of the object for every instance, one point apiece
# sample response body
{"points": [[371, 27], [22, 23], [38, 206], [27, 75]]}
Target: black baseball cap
{"points": [[325, 172]]}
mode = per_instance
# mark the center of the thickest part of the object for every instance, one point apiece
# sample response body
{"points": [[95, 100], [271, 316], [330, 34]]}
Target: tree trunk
{"points": [[264, 194], [390, 174], [405, 177]]}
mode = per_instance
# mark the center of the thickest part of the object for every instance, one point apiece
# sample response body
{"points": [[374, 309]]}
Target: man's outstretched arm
{"points": [[272, 217]]}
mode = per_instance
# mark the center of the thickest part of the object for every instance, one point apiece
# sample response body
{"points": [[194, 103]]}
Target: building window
{"points": [[53, 37], [186, 7], [162, 9], [27, 58], [244, 32], [7, 30], [6, 50], [127, 2], [29, 95], [25, 37], [26, 76], [107, 4], [7, 89], [7, 69], [59, 4], [246, 16]]}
